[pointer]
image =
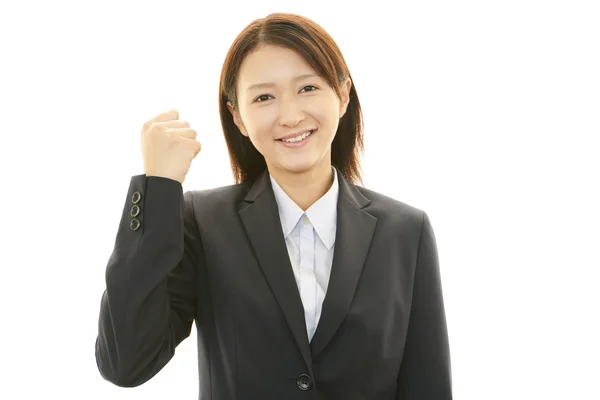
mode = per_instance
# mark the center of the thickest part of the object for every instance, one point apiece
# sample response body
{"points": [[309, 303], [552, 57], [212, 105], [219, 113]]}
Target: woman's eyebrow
{"points": [[271, 84]]}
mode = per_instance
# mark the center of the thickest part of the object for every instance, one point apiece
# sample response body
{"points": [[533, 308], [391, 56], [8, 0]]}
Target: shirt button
{"points": [[305, 219]]}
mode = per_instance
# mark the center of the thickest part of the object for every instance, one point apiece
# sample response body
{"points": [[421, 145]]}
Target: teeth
{"points": [[298, 138]]}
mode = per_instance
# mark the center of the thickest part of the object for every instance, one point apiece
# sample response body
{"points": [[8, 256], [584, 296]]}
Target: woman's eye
{"points": [[260, 97], [257, 100], [315, 88]]}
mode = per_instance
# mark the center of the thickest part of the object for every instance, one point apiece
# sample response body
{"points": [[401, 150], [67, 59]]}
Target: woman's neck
{"points": [[307, 187]]}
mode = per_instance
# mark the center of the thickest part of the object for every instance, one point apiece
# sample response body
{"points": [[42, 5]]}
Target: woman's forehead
{"points": [[273, 67]]}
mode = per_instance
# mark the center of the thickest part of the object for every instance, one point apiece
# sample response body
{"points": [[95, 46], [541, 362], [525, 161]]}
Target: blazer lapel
{"points": [[260, 217], [354, 232]]}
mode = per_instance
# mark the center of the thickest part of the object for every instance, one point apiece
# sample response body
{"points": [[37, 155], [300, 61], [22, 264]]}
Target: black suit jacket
{"points": [[218, 257]]}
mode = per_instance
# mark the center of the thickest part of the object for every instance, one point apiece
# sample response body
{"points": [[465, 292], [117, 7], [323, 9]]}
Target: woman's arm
{"points": [[425, 373], [148, 306]]}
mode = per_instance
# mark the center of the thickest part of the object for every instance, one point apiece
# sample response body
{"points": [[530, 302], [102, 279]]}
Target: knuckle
{"points": [[158, 129], [148, 125]]}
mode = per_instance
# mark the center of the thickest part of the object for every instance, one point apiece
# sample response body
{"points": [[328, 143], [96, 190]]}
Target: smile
{"points": [[297, 141], [297, 138]]}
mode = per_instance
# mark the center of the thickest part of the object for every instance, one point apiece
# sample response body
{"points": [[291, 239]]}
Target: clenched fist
{"points": [[168, 146]]}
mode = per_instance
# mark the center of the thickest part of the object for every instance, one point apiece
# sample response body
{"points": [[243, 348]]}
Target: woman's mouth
{"points": [[297, 141]]}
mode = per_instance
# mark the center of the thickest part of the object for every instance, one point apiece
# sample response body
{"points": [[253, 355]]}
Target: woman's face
{"points": [[290, 103]]}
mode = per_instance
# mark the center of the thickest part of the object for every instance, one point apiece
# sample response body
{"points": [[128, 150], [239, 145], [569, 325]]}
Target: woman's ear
{"points": [[345, 98], [237, 119]]}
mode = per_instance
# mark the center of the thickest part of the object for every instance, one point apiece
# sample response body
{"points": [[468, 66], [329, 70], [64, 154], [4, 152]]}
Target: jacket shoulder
{"points": [[217, 199], [390, 209]]}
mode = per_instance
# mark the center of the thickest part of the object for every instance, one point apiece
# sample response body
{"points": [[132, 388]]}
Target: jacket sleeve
{"points": [[148, 306], [425, 373]]}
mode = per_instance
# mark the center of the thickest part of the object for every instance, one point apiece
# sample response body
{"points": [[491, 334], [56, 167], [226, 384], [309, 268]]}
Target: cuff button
{"points": [[135, 211], [137, 196], [135, 224]]}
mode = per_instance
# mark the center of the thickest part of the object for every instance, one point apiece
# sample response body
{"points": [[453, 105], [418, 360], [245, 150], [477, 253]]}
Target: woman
{"points": [[302, 284]]}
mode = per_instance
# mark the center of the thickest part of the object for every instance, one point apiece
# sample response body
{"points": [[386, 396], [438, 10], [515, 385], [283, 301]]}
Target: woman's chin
{"points": [[297, 167]]}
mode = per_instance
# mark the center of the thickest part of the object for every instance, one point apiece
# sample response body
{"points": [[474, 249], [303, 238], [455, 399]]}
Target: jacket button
{"points": [[135, 224], [304, 382], [135, 210], [137, 196]]}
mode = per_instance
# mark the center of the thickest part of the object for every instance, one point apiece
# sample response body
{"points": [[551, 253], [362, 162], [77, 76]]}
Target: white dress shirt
{"points": [[309, 237]]}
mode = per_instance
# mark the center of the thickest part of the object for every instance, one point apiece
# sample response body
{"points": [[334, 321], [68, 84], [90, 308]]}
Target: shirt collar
{"points": [[322, 214]]}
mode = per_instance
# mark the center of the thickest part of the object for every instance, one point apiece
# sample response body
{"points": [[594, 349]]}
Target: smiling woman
{"points": [[302, 284], [299, 102], [310, 87]]}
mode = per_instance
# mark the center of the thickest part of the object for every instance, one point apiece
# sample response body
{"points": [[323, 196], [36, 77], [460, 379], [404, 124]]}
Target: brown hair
{"points": [[316, 46]]}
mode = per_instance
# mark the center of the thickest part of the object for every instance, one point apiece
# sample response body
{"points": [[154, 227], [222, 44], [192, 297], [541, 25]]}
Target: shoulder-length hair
{"points": [[318, 48]]}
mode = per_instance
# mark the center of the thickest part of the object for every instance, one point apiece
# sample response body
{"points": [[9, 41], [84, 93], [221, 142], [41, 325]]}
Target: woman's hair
{"points": [[316, 46]]}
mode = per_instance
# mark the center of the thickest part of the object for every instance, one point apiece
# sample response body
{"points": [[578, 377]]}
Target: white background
{"points": [[485, 114]]}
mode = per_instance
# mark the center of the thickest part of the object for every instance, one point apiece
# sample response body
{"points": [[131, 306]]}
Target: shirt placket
{"points": [[308, 282]]}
